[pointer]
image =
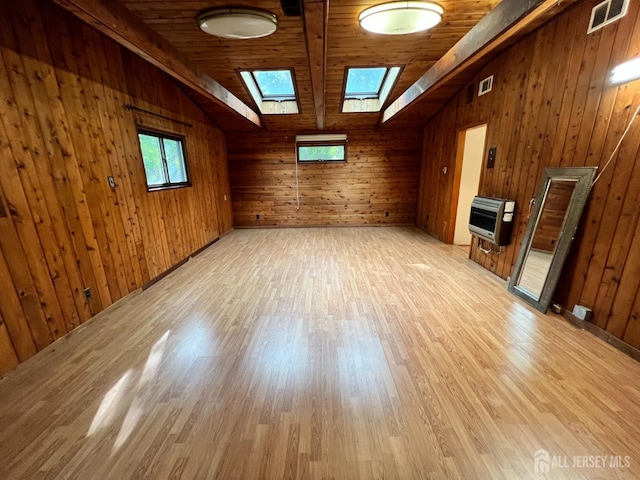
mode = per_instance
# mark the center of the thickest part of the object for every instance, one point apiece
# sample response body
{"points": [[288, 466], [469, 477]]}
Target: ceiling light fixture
{"points": [[626, 72], [237, 23], [401, 18]]}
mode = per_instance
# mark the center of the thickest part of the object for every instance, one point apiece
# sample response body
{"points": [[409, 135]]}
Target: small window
{"points": [[273, 90], [321, 148], [164, 160], [367, 88]]}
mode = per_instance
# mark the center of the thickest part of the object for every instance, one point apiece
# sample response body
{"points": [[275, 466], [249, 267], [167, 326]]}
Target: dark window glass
{"points": [[600, 15], [615, 9]]}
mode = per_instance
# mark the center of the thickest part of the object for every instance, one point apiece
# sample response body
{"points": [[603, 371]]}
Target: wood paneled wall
{"points": [[552, 105], [380, 175], [63, 130], [552, 216]]}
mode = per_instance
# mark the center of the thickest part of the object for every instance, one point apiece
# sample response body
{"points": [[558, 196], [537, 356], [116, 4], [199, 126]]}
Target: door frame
{"points": [[461, 137]]}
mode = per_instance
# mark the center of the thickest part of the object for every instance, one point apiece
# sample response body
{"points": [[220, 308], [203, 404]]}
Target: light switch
{"points": [[491, 157]]}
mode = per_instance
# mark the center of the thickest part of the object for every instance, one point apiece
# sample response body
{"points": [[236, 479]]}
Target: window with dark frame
{"points": [[363, 83], [275, 85], [309, 151], [366, 89], [164, 160], [273, 90]]}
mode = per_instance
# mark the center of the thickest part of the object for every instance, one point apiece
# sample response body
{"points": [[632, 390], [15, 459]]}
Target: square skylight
{"points": [[275, 84], [365, 82], [367, 88], [273, 90]]}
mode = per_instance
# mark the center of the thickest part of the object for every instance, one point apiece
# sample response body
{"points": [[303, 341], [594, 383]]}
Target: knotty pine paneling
{"points": [[63, 130], [552, 105], [380, 175], [552, 216], [347, 45]]}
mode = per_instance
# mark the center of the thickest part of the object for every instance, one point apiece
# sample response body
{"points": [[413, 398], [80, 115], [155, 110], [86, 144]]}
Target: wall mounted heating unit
{"points": [[491, 219]]}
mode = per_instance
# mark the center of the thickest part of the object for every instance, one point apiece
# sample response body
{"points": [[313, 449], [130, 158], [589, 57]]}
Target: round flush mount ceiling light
{"points": [[238, 23], [401, 18]]}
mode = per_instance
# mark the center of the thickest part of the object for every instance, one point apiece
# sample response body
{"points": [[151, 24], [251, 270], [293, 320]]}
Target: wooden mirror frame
{"points": [[584, 181]]}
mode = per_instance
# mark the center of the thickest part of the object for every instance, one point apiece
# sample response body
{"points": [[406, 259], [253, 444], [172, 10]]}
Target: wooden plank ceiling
{"points": [[347, 45]]}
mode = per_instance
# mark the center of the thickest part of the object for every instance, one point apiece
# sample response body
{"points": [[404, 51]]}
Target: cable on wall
{"points": [[615, 150], [489, 250], [148, 112], [315, 139], [295, 157]]}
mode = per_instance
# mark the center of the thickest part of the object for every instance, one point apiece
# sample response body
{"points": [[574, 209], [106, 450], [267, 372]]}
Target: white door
{"points": [[469, 181]]}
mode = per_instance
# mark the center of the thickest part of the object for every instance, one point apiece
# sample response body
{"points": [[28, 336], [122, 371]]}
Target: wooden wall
{"points": [[63, 130], [380, 175], [551, 105], [552, 216]]}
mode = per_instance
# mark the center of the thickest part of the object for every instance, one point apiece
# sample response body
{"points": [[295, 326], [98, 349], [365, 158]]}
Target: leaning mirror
{"points": [[555, 215]]}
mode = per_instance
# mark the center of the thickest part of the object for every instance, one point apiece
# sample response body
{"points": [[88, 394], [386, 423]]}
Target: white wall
{"points": [[469, 181]]}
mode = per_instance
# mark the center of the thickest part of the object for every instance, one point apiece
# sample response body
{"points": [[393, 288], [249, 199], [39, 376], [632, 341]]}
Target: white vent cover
{"points": [[321, 138], [607, 12], [485, 86]]}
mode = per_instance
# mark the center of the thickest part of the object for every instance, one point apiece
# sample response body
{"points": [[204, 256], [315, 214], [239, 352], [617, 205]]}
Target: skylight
{"points": [[367, 88], [365, 82], [273, 90], [275, 84]]}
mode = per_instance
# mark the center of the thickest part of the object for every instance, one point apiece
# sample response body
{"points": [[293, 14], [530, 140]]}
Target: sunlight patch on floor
{"points": [[109, 405]]}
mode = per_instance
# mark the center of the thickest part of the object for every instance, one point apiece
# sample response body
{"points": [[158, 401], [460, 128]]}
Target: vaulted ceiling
{"points": [[347, 45], [318, 45]]}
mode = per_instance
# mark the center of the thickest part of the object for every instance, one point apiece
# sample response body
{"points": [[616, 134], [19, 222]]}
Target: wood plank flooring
{"points": [[346, 353]]}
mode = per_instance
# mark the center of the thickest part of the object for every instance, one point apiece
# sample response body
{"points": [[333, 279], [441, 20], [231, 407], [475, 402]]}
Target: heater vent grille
{"points": [[486, 86], [291, 8], [607, 12]]}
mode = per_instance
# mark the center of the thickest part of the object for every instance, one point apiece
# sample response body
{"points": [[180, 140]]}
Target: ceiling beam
{"points": [[506, 21], [121, 25], [316, 13]]}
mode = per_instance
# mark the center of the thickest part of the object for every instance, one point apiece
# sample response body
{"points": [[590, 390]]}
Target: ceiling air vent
{"points": [[291, 8], [607, 12], [485, 86]]}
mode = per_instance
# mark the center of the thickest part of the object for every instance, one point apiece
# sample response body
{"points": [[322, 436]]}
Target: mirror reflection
{"points": [[547, 234], [553, 221]]}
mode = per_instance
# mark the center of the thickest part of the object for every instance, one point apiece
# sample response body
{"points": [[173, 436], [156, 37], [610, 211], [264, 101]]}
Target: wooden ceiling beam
{"points": [[121, 25], [506, 21], [316, 14]]}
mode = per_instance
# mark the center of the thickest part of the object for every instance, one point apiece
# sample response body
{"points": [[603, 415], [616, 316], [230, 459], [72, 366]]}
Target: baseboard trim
{"points": [[615, 342], [348, 225], [202, 249], [155, 280], [224, 234]]}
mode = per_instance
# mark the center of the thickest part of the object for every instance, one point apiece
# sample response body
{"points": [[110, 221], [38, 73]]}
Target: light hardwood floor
{"points": [[339, 353], [535, 272]]}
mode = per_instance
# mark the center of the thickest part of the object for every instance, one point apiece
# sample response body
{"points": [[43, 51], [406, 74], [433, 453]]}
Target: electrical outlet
{"points": [[257, 217], [386, 214], [87, 293]]}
